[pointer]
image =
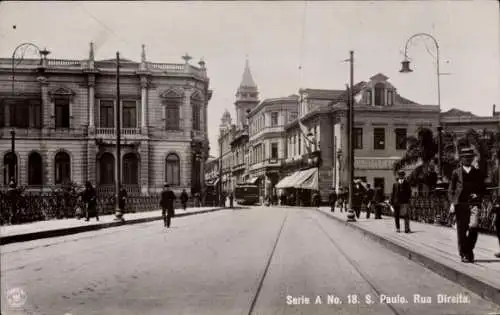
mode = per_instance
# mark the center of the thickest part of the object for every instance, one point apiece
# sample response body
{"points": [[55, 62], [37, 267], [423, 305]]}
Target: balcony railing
{"points": [[112, 131]]}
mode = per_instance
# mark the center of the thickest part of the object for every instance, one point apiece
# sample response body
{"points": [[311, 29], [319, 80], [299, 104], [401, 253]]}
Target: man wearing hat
{"points": [[400, 199], [464, 192], [167, 205]]}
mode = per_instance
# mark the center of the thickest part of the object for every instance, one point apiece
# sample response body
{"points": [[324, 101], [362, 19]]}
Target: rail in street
{"points": [[261, 260]]}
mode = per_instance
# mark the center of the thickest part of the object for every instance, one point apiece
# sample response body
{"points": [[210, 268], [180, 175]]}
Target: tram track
{"points": [[356, 267], [266, 269]]}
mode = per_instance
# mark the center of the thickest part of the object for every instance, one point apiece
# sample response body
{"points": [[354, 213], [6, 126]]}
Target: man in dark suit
{"points": [[400, 199], [464, 192], [370, 194], [378, 200], [332, 199], [167, 205]]}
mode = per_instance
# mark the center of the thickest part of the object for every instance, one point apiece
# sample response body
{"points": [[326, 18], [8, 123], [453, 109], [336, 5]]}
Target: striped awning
{"points": [[252, 180]]}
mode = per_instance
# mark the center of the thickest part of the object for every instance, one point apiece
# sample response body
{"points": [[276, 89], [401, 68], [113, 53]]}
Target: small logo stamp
{"points": [[16, 297]]}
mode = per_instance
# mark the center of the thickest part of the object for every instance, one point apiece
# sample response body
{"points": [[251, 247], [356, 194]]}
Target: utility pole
{"points": [[118, 212], [221, 202], [350, 151]]}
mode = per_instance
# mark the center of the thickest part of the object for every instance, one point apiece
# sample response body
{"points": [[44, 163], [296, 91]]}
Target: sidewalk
{"points": [[54, 228], [435, 247]]}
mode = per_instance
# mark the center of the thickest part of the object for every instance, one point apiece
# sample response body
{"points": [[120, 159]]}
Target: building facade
{"points": [[63, 115], [300, 142]]}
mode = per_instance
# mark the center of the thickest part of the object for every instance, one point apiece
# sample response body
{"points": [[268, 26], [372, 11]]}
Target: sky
{"points": [[289, 45]]}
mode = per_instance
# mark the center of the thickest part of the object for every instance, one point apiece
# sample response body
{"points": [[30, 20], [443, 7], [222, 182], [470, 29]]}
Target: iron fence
{"points": [[23, 207], [433, 208]]}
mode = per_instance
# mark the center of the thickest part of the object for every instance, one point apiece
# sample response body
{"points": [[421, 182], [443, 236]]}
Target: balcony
{"points": [[112, 131]]}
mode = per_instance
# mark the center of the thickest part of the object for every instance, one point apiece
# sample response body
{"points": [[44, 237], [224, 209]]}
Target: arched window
{"points": [[107, 169], [379, 94], [196, 107], [9, 168], [35, 169], [62, 168], [172, 169], [130, 169]]}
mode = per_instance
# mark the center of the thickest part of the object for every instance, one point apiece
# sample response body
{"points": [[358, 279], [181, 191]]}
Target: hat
{"points": [[166, 185], [401, 172], [467, 152]]}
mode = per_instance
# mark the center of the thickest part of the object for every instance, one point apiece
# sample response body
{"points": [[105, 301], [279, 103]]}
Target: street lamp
{"points": [[405, 68], [43, 57]]}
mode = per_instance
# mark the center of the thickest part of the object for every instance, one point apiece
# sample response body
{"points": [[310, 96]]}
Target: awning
{"points": [[252, 180], [213, 182], [288, 181], [303, 177], [312, 182]]}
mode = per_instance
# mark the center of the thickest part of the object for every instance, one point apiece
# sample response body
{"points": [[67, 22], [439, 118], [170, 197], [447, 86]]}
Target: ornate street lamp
{"points": [[43, 58], [405, 68]]}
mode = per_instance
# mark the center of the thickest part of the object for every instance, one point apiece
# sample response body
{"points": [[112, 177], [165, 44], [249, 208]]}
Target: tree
{"points": [[421, 150]]}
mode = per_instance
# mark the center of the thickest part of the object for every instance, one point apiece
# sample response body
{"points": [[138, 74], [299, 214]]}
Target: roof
{"points": [[247, 80], [457, 112], [322, 94]]}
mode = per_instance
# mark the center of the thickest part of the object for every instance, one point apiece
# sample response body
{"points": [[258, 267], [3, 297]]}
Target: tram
{"points": [[246, 194]]}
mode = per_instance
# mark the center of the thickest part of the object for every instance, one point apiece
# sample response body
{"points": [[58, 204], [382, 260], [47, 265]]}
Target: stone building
{"points": [[62, 112], [301, 141]]}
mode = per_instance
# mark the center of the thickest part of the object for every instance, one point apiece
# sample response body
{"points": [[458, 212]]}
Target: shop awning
{"points": [[288, 181], [312, 182], [303, 177], [212, 182]]}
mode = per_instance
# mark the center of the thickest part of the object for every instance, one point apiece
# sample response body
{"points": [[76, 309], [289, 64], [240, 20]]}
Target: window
{"points": [[400, 139], [106, 114], [9, 168], [357, 138], [196, 107], [130, 169], [293, 116], [379, 138], [274, 150], [379, 94], [34, 169], [107, 169], [35, 114], [368, 97], [390, 97], [172, 117], [300, 144], [62, 112], [19, 111], [129, 114], [172, 170], [274, 119], [62, 168]]}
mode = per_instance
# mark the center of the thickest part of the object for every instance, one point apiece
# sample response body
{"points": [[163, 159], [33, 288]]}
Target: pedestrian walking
{"points": [[378, 202], [465, 192], [184, 199], [332, 199], [167, 205], [357, 197], [401, 194], [316, 199], [90, 199], [122, 199], [231, 200], [370, 194], [12, 196]]}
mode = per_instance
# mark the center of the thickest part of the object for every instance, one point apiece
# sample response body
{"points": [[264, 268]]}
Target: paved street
{"points": [[247, 261]]}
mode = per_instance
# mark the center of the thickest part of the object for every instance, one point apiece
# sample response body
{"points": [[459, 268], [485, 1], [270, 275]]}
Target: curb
{"points": [[87, 228], [479, 287]]}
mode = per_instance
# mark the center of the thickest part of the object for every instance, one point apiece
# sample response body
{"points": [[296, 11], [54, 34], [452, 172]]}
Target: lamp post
{"points": [[337, 174], [43, 57], [118, 179], [405, 68], [350, 153]]}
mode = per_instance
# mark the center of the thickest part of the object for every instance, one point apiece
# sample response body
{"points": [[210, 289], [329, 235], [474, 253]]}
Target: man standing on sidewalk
{"points": [[167, 205], [184, 199], [465, 192], [90, 199], [333, 199], [378, 201], [401, 194], [370, 194]]}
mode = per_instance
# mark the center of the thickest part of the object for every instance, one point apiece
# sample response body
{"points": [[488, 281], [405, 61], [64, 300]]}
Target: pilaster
{"points": [[187, 113], [91, 103], [47, 106], [91, 161], [144, 104], [144, 160]]}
